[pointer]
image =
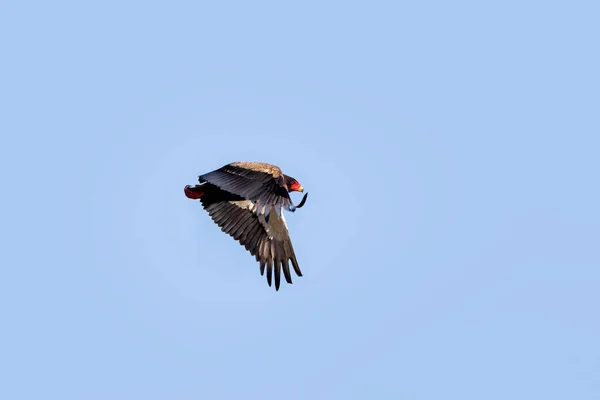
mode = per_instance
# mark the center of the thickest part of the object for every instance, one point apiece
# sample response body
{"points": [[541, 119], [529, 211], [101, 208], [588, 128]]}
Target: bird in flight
{"points": [[246, 200]]}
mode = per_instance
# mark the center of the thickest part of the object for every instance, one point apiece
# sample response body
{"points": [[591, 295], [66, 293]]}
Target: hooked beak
{"points": [[300, 189]]}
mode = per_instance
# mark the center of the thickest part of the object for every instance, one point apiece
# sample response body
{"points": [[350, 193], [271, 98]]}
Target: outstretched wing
{"points": [[268, 241], [261, 183]]}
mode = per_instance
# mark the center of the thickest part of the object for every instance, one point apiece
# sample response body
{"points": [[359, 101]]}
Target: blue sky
{"points": [[449, 243]]}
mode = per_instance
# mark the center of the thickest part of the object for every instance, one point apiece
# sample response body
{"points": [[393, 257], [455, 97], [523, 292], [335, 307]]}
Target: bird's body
{"points": [[246, 200]]}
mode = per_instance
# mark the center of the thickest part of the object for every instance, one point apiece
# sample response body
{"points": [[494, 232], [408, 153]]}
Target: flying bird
{"points": [[246, 200]]}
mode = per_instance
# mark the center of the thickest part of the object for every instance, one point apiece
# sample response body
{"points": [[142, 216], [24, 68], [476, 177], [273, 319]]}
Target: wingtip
{"points": [[302, 201]]}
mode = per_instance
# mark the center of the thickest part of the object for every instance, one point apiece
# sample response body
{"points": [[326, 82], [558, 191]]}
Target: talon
{"points": [[193, 193]]}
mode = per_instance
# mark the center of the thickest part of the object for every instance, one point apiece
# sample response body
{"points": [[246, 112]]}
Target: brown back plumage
{"points": [[270, 169], [259, 182]]}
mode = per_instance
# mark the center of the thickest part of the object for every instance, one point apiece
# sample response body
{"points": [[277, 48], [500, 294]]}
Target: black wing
{"points": [[257, 186], [269, 241]]}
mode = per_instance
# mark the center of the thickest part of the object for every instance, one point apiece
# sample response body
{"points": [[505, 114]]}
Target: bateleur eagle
{"points": [[246, 200]]}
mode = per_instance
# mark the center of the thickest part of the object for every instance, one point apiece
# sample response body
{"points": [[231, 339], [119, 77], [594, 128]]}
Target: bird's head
{"points": [[293, 185], [296, 187]]}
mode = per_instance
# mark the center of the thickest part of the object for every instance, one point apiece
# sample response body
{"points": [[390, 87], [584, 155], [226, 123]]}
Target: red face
{"points": [[296, 187]]}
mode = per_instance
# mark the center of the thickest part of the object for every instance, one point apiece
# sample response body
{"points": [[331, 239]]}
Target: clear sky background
{"points": [[450, 242]]}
